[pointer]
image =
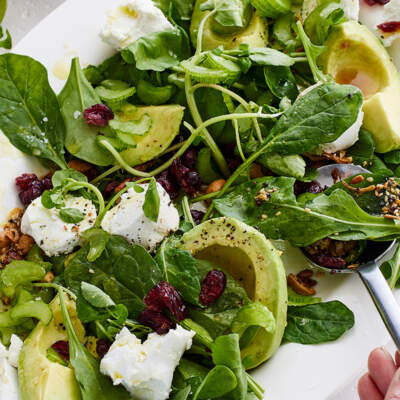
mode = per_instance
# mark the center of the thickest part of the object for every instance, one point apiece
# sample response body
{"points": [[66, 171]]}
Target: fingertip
{"points": [[367, 389], [381, 368]]}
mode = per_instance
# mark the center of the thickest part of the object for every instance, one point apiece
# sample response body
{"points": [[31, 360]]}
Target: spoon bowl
{"points": [[369, 260]]}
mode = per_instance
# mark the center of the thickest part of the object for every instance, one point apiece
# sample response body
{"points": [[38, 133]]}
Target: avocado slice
{"points": [[252, 260], [255, 34], [165, 124], [38, 377], [355, 56]]}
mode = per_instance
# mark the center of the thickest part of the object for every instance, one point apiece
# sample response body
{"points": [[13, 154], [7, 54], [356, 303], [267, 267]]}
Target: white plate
{"points": [[296, 371]]}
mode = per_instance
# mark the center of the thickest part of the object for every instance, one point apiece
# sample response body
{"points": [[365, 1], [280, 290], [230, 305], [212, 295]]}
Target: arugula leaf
{"points": [[92, 384], [76, 96], [280, 216], [391, 269], [95, 296], [53, 198], [126, 273], [230, 13], [226, 351], [97, 239], [151, 205], [291, 165], [158, 51], [29, 110], [71, 215], [179, 269], [318, 323], [263, 56], [320, 116], [363, 150]]}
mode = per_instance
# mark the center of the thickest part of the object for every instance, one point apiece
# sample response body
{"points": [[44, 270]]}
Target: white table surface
{"points": [[21, 17]]}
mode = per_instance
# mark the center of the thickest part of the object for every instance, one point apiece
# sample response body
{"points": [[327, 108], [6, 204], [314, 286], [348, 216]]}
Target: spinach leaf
{"points": [[71, 215], [377, 166], [5, 43], [281, 82], [158, 51], [318, 323], [291, 165], [218, 382], [320, 116], [3, 9], [92, 384], [270, 205], [217, 318], [184, 8], [126, 273], [179, 269], [362, 152], [267, 56], [151, 205], [29, 110], [226, 351], [391, 269], [76, 96], [393, 157]]}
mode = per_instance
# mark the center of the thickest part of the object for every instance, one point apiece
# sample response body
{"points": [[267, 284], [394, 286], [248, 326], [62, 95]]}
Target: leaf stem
{"points": [[186, 211], [219, 158], [200, 32], [110, 171], [236, 97]]}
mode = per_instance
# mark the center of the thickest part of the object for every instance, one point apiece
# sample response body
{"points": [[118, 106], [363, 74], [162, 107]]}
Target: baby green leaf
{"points": [[58, 178], [97, 239], [29, 110], [71, 215], [151, 205], [391, 269], [95, 296], [318, 323]]}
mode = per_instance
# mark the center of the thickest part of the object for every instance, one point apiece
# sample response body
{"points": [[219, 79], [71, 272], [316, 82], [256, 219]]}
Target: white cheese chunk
{"points": [[132, 20], [372, 16], [9, 389], [50, 232], [14, 350], [146, 369], [346, 139], [127, 219]]}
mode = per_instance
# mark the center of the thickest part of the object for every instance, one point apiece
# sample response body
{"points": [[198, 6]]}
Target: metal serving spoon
{"points": [[370, 260]]}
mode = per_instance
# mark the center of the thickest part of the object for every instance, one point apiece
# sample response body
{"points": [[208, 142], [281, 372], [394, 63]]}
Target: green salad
{"points": [[146, 263]]}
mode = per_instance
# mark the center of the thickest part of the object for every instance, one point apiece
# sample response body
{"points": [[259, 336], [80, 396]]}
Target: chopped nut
{"points": [[24, 244], [49, 277], [4, 240], [299, 287], [79, 165], [370, 179], [216, 186], [357, 179]]}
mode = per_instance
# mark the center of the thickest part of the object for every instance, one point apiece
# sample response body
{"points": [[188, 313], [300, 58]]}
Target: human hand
{"points": [[382, 381]]}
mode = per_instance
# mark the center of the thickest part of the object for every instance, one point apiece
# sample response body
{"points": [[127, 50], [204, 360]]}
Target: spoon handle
{"points": [[383, 298]]}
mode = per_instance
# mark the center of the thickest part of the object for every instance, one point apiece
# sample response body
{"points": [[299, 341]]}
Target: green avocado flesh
{"points": [[166, 121], [355, 56], [255, 34], [39, 378], [252, 260]]}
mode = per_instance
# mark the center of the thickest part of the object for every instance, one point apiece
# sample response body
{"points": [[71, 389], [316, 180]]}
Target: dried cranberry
{"points": [[164, 295], [109, 188], [25, 181], [98, 115], [390, 27], [189, 158], [28, 195], [329, 261], [193, 179], [102, 347], [62, 348], [157, 321], [10, 256], [91, 173], [380, 2], [212, 287], [46, 182], [197, 216], [307, 187], [166, 181], [186, 178]]}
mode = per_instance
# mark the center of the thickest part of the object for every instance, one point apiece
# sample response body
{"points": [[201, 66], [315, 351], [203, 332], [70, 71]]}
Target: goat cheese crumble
{"points": [[127, 219], [146, 369], [9, 388], [50, 232], [132, 20]]}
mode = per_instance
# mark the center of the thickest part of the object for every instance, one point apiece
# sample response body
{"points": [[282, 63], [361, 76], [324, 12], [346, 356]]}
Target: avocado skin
{"points": [[166, 121], [353, 45], [38, 377], [255, 34], [221, 240]]}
